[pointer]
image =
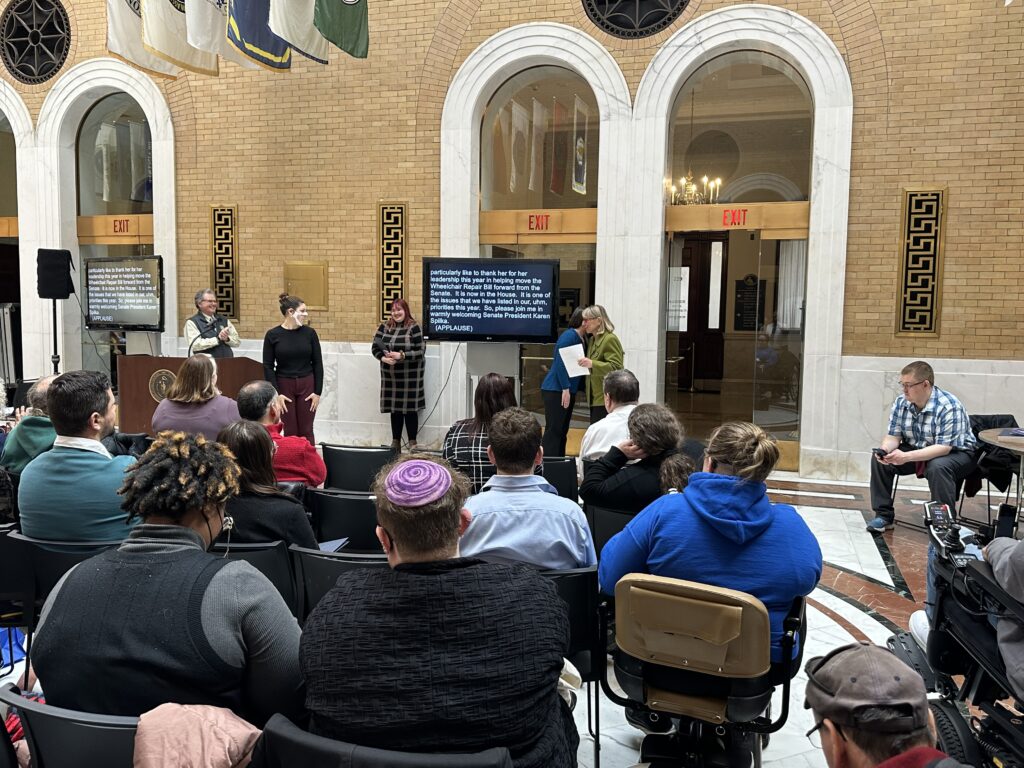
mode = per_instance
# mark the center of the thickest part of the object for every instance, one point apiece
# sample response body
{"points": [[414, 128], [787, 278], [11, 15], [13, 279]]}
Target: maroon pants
{"points": [[298, 420]]}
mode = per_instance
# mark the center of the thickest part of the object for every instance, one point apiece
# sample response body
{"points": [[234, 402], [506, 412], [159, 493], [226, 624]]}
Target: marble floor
{"points": [[869, 587]]}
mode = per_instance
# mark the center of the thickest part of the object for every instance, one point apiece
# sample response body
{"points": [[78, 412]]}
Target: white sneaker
{"points": [[919, 628]]}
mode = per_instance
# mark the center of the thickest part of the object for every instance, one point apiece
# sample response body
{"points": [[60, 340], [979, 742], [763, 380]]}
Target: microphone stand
{"points": [[201, 335], [55, 357]]}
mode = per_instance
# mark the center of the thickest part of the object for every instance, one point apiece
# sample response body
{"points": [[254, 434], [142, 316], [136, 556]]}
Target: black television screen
{"points": [[490, 300], [124, 294]]}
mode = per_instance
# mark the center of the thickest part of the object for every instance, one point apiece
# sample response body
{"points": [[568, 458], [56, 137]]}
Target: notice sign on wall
{"points": [[490, 299], [124, 293], [748, 314]]}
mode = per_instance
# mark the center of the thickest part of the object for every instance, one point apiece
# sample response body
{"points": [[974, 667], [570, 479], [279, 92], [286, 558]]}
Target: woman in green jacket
{"points": [[604, 356]]}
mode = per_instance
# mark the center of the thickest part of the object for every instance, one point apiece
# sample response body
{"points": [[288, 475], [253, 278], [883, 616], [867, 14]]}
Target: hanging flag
{"points": [[560, 147], [164, 35], [292, 21], [520, 134], [249, 33], [345, 23], [498, 152], [206, 25], [579, 132], [124, 38], [540, 122]]}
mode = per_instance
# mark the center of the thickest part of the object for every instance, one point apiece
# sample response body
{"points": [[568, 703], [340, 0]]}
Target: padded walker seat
{"points": [[700, 653]]}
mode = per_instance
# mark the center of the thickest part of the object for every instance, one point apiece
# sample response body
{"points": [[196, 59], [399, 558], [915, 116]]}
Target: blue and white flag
{"points": [[249, 32], [206, 24]]}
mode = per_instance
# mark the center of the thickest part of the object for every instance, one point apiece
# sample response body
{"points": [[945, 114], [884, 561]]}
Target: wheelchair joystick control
{"points": [[951, 541]]}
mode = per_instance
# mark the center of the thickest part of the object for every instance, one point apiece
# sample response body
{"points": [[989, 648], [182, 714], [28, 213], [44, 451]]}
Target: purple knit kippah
{"points": [[417, 482]]}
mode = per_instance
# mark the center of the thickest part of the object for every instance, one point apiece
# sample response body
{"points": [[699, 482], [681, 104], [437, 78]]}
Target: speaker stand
{"points": [[55, 358]]}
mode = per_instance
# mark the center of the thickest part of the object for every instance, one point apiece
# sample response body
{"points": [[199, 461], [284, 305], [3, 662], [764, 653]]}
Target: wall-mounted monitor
{"points": [[124, 294], [490, 300]]}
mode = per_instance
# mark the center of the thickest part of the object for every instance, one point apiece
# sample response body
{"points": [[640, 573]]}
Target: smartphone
{"points": [[880, 452]]}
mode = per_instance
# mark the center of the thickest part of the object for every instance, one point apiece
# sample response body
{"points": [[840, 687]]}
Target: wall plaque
{"points": [[224, 255], [748, 313], [391, 239], [921, 261]]}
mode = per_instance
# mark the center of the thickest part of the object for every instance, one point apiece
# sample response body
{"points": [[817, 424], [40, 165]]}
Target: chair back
{"points": [[350, 468], [283, 745], [345, 515], [272, 560], [294, 488], [698, 628], [560, 471], [64, 738], [317, 572], [578, 587], [47, 561], [605, 523]]}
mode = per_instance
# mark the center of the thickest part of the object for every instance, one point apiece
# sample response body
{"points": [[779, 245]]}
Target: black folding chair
{"points": [[345, 515], [15, 590], [316, 572], [578, 587], [605, 523], [294, 488], [272, 560], [64, 738], [560, 471], [351, 468], [283, 745]]}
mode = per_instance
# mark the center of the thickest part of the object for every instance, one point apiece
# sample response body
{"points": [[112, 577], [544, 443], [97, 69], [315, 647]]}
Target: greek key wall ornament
{"points": [[224, 252], [634, 18], [391, 236], [35, 36], [921, 261]]}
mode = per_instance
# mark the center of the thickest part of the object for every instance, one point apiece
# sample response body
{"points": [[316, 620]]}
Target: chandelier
{"points": [[687, 192]]}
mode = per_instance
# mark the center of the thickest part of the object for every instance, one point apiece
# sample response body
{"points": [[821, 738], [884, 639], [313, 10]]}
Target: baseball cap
{"points": [[859, 676]]}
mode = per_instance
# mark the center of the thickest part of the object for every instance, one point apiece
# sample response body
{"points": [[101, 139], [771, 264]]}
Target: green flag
{"points": [[344, 23]]}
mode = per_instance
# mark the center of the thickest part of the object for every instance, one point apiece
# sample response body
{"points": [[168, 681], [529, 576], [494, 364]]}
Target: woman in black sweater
{"points": [[654, 435], [261, 512], [293, 364]]}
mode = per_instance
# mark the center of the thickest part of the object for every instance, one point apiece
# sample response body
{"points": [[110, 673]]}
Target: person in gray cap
{"points": [[871, 710]]}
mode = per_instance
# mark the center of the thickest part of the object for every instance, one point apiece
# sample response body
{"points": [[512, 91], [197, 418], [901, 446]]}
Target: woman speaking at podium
{"points": [[293, 364], [398, 344]]}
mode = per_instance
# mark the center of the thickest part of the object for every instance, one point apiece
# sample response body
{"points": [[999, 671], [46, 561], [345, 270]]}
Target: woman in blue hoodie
{"points": [[723, 531]]}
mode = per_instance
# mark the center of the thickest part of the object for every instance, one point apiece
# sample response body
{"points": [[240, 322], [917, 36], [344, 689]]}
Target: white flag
{"points": [[164, 35], [540, 123], [292, 21], [206, 24], [520, 137], [124, 38]]}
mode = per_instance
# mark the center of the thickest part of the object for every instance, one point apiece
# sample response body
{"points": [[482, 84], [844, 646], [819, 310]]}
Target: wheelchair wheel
{"points": [[955, 736]]}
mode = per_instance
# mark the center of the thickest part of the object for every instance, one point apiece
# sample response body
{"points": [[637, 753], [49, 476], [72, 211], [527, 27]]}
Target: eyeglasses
{"points": [[908, 387]]}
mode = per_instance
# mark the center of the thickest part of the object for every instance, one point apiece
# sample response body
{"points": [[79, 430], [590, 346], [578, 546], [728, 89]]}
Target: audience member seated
{"points": [[261, 512], [438, 653], [295, 458], [193, 403], [654, 435], [723, 531], [1006, 556], [69, 493], [520, 517], [870, 709], [33, 434], [621, 393], [160, 619], [465, 445]]}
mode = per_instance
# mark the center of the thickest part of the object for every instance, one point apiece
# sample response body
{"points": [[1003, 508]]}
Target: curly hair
{"points": [[179, 473]]}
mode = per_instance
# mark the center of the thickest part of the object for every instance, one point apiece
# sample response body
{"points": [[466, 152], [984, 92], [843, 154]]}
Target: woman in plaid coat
{"points": [[398, 344]]}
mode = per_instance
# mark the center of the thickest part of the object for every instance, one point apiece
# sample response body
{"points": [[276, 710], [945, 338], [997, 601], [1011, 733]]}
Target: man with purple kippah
{"points": [[438, 653]]}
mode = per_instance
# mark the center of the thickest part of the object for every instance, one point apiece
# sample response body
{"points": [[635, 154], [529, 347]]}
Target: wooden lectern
{"points": [[143, 380]]}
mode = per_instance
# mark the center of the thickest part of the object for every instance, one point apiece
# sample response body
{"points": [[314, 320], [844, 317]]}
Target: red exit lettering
{"points": [[539, 221], [734, 217], [121, 226]]}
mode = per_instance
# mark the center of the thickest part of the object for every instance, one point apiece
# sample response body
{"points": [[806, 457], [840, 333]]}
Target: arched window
{"points": [[115, 204], [742, 119]]}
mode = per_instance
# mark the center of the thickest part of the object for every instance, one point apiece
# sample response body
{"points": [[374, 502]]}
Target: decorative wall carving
{"points": [[921, 261], [391, 237], [224, 251]]}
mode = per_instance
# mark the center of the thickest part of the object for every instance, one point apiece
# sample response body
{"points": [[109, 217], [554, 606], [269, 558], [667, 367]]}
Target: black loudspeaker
{"points": [[53, 273]]}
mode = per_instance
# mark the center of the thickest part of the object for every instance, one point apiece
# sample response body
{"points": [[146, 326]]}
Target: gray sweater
{"points": [[1006, 557], [245, 619]]}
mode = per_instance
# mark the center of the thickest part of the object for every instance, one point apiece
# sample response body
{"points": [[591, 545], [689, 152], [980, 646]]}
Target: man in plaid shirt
{"points": [[930, 435]]}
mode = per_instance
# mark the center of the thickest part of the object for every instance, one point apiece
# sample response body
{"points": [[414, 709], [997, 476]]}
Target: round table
{"points": [[1014, 445]]}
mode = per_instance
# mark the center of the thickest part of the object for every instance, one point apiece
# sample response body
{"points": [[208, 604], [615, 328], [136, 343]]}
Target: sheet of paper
{"points": [[570, 356]]}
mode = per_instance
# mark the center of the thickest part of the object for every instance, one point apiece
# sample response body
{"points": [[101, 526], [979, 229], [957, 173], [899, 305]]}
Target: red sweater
{"points": [[296, 459], [919, 757]]}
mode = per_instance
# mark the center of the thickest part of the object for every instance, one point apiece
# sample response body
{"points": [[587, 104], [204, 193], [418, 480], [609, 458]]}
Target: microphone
{"points": [[203, 334]]}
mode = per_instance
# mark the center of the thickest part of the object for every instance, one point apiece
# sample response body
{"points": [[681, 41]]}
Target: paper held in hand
{"points": [[571, 356]]}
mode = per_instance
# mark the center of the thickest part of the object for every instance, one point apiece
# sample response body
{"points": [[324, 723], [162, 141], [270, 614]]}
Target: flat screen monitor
{"points": [[124, 294], [490, 300]]}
